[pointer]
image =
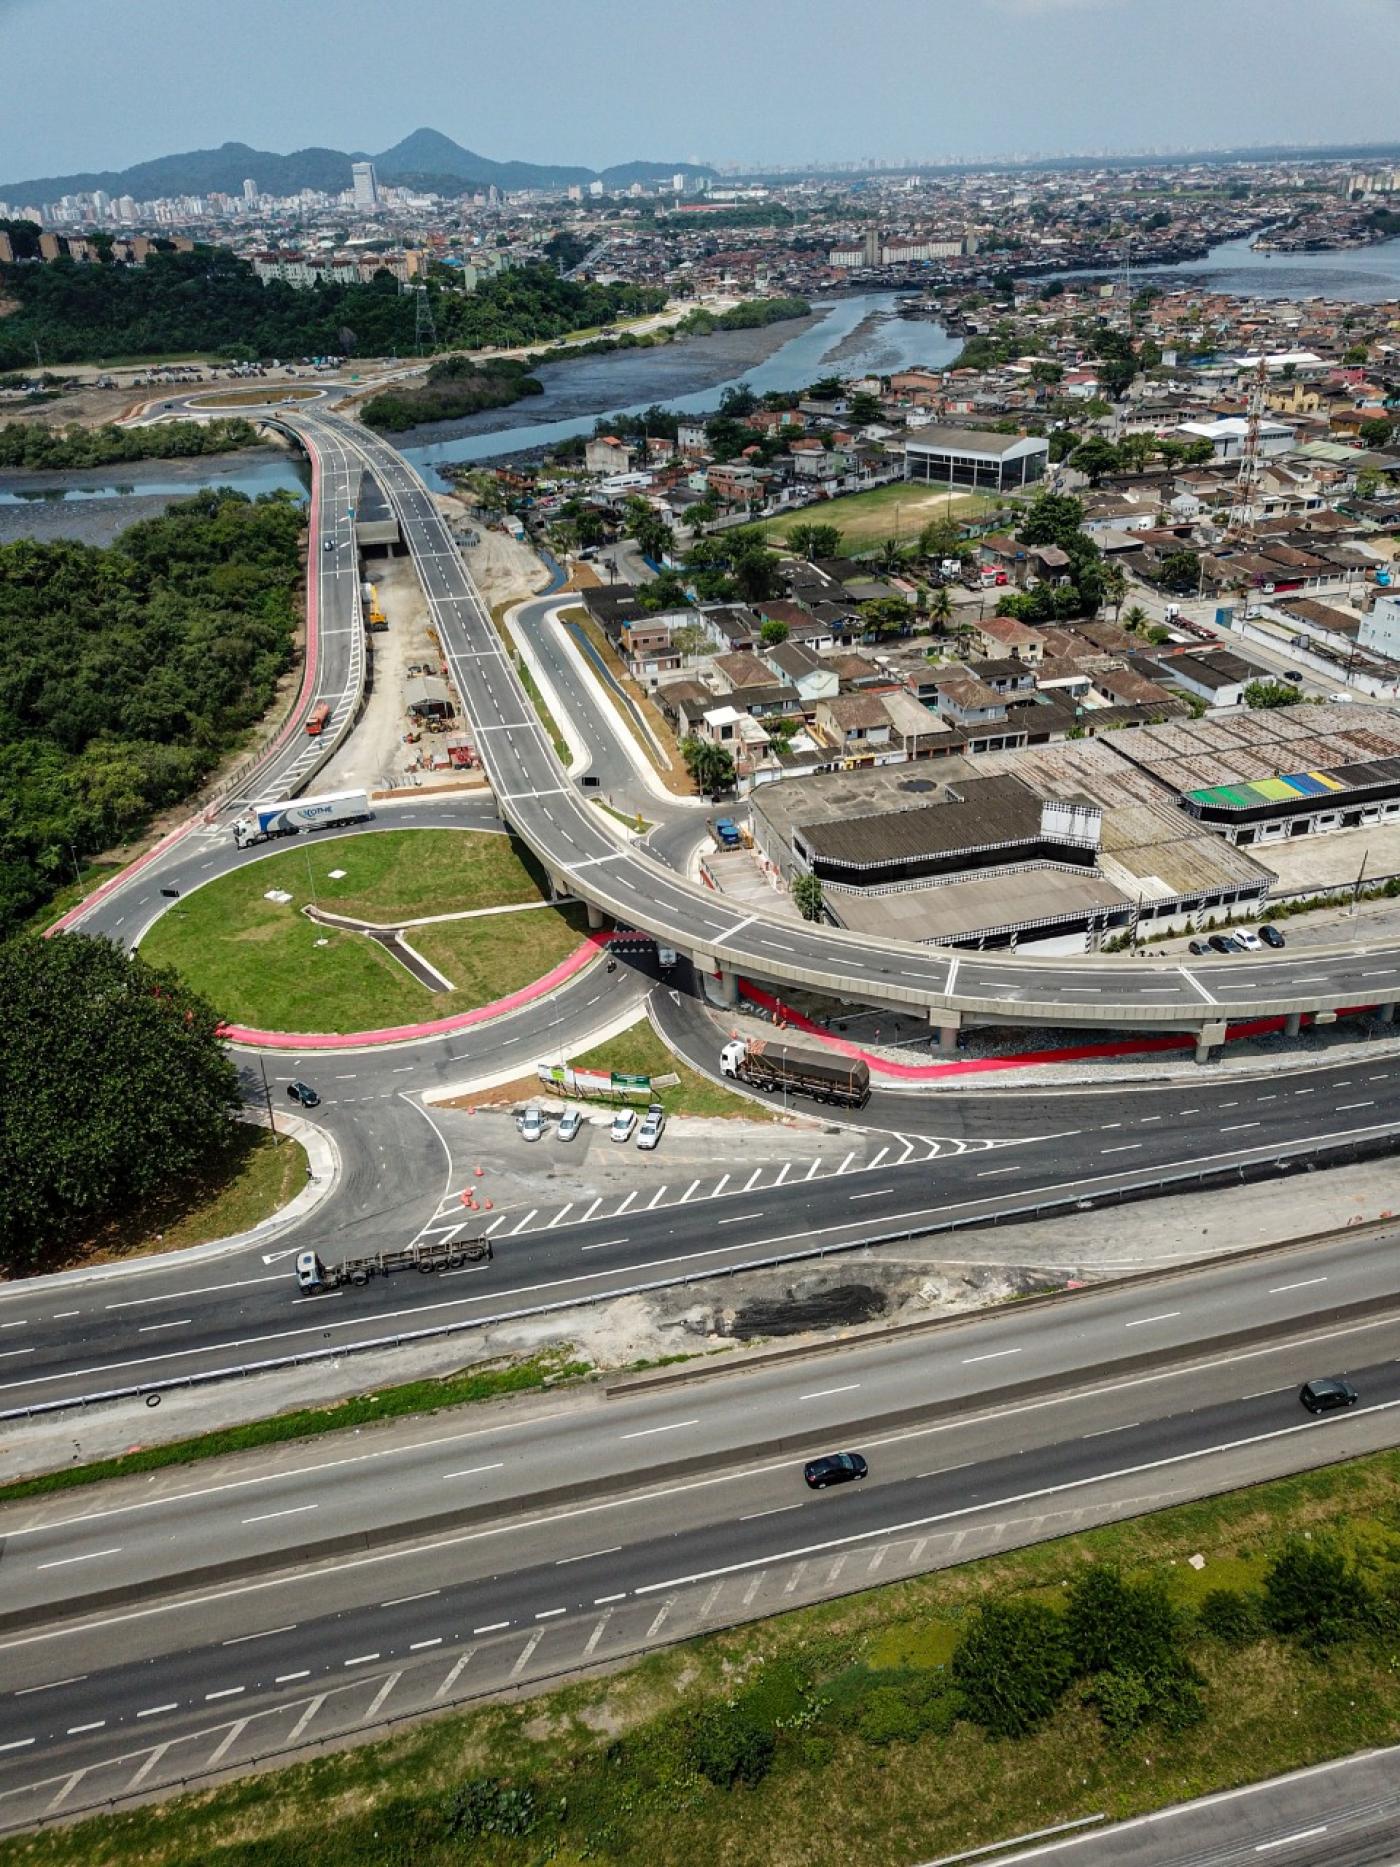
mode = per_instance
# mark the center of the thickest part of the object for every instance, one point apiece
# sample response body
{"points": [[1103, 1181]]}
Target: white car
{"points": [[623, 1123], [569, 1124], [652, 1126], [531, 1125], [1248, 939]]}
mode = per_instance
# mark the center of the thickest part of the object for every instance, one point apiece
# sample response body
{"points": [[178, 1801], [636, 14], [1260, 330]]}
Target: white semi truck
{"points": [[292, 815]]}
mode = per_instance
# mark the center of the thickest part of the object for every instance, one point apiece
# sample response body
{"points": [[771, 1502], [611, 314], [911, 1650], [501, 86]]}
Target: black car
{"points": [[1198, 947], [1271, 936], [1222, 943], [1327, 1394], [837, 1468], [303, 1093]]}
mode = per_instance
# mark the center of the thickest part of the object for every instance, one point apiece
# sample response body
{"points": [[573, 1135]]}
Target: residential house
{"points": [[1002, 637], [855, 726], [606, 454], [814, 678]]}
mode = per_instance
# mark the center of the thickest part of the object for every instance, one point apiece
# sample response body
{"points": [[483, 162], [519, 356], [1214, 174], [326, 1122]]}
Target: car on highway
{"points": [[303, 1093], [329, 545], [1292, 674], [1328, 1394], [569, 1124], [1248, 939], [834, 1468], [531, 1124], [1271, 936], [653, 1127], [623, 1123]]}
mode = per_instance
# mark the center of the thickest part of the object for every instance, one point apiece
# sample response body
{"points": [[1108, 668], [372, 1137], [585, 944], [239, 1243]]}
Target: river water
{"points": [[1362, 276]]}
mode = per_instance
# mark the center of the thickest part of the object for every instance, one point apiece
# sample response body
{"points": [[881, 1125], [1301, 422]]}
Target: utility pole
{"points": [[267, 1097]]}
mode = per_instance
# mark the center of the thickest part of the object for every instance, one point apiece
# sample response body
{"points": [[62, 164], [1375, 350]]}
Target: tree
{"points": [[807, 896], [690, 639], [1095, 457], [1367, 482], [646, 525], [1199, 453], [815, 541], [940, 608], [1115, 586], [863, 409], [941, 538], [1313, 1594], [887, 615], [1135, 618], [1052, 519], [663, 592], [1264, 695], [755, 573], [1181, 571], [710, 766], [773, 632], [114, 1087], [1013, 1666], [1377, 432]]}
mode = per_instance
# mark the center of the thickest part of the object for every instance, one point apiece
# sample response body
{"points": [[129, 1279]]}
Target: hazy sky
{"points": [[95, 84]]}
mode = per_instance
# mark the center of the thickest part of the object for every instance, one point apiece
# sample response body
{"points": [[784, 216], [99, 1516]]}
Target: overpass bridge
{"points": [[727, 939]]}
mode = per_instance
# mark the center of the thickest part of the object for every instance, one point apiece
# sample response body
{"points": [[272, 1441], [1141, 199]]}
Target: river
{"points": [[1362, 275]]}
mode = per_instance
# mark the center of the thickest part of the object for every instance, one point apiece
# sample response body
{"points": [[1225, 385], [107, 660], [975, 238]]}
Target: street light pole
{"points": [[267, 1097]]}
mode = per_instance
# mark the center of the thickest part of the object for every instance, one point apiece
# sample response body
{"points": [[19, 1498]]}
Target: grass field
{"points": [[606, 1763], [255, 1177], [640, 1052], [898, 511], [264, 963]]}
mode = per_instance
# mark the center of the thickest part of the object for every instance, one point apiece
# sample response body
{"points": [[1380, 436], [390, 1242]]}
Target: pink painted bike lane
{"points": [[435, 1027]]}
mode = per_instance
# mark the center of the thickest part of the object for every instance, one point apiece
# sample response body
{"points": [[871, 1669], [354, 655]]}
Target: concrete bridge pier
{"points": [[946, 1026], [729, 985], [1386, 1013], [595, 917], [1293, 1023], [1208, 1038]]}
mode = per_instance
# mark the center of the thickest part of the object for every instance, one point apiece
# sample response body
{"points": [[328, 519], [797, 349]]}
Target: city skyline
{"points": [[984, 80]]}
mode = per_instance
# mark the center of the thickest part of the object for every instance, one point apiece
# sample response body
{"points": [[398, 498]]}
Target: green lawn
{"points": [[255, 1177], [264, 963], [864, 1771], [901, 510], [640, 1052]]}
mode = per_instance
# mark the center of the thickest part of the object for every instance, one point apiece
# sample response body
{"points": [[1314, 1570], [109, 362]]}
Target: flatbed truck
{"points": [[428, 1255]]}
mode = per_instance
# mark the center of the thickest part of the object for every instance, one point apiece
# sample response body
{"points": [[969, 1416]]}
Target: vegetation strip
{"points": [[1105, 1674]]}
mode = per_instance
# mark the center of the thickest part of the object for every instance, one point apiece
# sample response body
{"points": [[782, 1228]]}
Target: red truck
{"points": [[319, 718]]}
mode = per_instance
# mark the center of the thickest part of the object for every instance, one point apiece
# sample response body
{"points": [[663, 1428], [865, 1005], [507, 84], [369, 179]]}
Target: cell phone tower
{"points": [[423, 324], [1242, 505]]}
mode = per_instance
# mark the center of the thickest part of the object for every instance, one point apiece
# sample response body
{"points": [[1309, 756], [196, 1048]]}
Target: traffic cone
{"points": [[478, 1172]]}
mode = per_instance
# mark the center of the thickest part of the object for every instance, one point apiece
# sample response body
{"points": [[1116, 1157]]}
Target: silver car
{"points": [[623, 1123], [532, 1124], [653, 1126], [569, 1124]]}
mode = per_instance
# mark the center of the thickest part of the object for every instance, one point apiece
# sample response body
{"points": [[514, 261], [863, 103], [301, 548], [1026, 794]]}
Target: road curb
{"points": [[797, 1445]]}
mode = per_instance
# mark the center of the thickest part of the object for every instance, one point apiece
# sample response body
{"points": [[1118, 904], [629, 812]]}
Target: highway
{"points": [[549, 814], [618, 1517]]}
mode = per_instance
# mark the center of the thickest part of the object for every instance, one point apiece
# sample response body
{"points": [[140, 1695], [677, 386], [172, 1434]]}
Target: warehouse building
{"points": [[990, 462]]}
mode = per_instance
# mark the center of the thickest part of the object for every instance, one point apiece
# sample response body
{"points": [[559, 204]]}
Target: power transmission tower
{"points": [[1242, 506], [423, 325]]}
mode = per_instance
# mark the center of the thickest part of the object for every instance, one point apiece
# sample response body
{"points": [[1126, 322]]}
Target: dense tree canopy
{"points": [[126, 672], [113, 1086], [31, 444], [454, 387], [210, 301]]}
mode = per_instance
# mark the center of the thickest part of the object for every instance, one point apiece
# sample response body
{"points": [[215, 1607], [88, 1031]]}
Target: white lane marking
{"points": [[990, 1173], [1342, 1107], [460, 1667], [1123, 1147], [813, 1168], [588, 1555], [228, 1691], [526, 1651], [420, 1646], [1302, 1284], [1142, 1321], [562, 1214], [597, 1633], [239, 1640], [18, 1743], [92, 1556], [398, 1601], [377, 1701], [720, 1188], [306, 1718], [656, 1198], [877, 1192], [739, 1218], [297, 1510], [871, 1165], [647, 1431], [523, 1223], [1235, 1127], [776, 1511], [1284, 1841], [822, 1392], [585, 1217], [550, 1614], [230, 1738], [847, 1161], [688, 1191], [996, 1355], [361, 1659], [52, 1686], [287, 1678], [149, 1328], [473, 1470], [76, 1730], [154, 1711]]}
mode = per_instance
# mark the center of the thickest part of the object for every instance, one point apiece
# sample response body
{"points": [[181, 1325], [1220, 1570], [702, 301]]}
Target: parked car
{"points": [[531, 1124], [1198, 947], [1248, 939], [653, 1126], [303, 1093], [836, 1468], [1222, 943], [1292, 674], [1327, 1394], [623, 1123], [1271, 936], [569, 1124]]}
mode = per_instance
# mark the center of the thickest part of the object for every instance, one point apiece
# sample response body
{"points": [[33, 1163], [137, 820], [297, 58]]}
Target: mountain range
{"points": [[427, 160]]}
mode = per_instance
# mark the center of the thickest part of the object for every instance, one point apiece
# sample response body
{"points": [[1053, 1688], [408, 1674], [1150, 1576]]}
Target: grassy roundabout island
{"points": [[264, 962]]}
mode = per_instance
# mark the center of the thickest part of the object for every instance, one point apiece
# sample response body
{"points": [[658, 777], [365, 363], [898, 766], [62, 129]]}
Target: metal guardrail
{"points": [[1272, 1163]]}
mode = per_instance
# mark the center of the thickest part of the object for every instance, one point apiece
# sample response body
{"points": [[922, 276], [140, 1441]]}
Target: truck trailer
{"points": [[826, 1077], [429, 1255], [295, 814]]}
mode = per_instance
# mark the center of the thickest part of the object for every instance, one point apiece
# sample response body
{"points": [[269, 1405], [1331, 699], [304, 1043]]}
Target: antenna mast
{"points": [[1242, 506]]}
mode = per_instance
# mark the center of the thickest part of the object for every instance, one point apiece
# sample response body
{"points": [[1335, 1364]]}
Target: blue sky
{"points": [[727, 81]]}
